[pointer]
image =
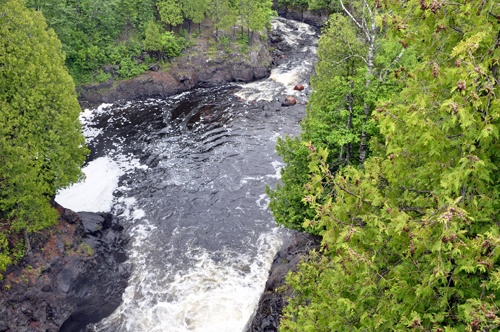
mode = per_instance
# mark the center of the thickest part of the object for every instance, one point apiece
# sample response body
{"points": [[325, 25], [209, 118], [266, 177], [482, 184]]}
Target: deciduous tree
{"points": [[411, 241]]}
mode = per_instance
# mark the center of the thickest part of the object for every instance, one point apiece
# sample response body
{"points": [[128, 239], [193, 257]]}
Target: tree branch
{"points": [[457, 29], [386, 70], [416, 191], [354, 20]]}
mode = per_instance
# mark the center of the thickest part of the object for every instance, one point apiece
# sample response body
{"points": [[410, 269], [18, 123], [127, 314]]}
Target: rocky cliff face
{"points": [[200, 67], [315, 18], [75, 275], [268, 313]]}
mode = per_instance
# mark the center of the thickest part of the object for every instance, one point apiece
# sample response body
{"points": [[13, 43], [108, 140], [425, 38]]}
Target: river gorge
{"points": [[186, 176]]}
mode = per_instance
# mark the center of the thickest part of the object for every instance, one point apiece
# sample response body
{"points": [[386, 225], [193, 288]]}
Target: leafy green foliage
{"points": [[287, 203], [411, 241], [102, 77], [170, 12], [172, 45], [130, 68], [41, 145], [223, 15], [153, 41], [344, 92]]}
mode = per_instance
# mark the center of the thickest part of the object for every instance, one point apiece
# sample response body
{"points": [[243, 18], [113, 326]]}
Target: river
{"points": [[186, 175]]}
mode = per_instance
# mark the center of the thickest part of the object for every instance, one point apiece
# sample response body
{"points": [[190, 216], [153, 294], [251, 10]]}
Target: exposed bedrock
{"points": [[75, 275], [272, 301], [184, 73]]}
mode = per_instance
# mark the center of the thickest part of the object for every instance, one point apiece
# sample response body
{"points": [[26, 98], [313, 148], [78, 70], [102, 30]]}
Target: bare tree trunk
{"points": [[26, 242], [217, 23], [349, 124], [366, 110]]}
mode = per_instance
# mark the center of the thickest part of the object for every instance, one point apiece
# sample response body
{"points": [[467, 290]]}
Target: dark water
{"points": [[191, 172]]}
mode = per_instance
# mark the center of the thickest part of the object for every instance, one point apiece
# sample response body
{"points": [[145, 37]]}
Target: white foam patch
{"points": [[138, 214], [277, 165], [263, 201], [95, 194]]}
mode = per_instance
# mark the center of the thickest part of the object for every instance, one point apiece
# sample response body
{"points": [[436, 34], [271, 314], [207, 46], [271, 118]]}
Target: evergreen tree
{"points": [[411, 241], [41, 145], [170, 12], [194, 10], [220, 12], [153, 41]]}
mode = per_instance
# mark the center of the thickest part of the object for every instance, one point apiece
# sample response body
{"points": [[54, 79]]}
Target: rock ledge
{"points": [[75, 275]]}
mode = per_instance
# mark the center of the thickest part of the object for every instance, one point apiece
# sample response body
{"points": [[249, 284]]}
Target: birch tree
{"points": [[351, 74]]}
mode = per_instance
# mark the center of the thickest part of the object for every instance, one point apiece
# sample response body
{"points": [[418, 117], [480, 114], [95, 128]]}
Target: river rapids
{"points": [[186, 175]]}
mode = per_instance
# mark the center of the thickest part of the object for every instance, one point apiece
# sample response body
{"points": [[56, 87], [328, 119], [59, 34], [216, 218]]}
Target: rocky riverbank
{"points": [[314, 18], [203, 65], [74, 275], [268, 313]]}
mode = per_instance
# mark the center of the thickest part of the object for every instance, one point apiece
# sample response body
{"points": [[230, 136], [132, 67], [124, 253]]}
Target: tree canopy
{"points": [[411, 241], [98, 33], [353, 71], [42, 148]]}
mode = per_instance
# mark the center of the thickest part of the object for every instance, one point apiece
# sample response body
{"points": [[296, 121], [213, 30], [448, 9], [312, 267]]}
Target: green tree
{"points": [[344, 90], [411, 241], [221, 13], [170, 45], [41, 145], [194, 10], [287, 200], [129, 10], [170, 12], [153, 41]]}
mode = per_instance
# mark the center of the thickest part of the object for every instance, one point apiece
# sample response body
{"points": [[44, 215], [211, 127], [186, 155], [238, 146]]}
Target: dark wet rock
{"points": [[75, 275], [316, 18], [272, 301], [109, 69], [154, 68], [298, 87]]}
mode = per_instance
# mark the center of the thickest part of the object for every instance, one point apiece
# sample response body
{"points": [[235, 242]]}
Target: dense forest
{"points": [[117, 32], [397, 169]]}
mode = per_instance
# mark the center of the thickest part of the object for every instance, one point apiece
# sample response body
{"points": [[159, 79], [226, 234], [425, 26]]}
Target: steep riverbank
{"points": [[203, 65], [74, 275], [268, 312]]}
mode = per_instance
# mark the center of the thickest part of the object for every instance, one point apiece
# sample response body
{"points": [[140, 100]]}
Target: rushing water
{"points": [[187, 177]]}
